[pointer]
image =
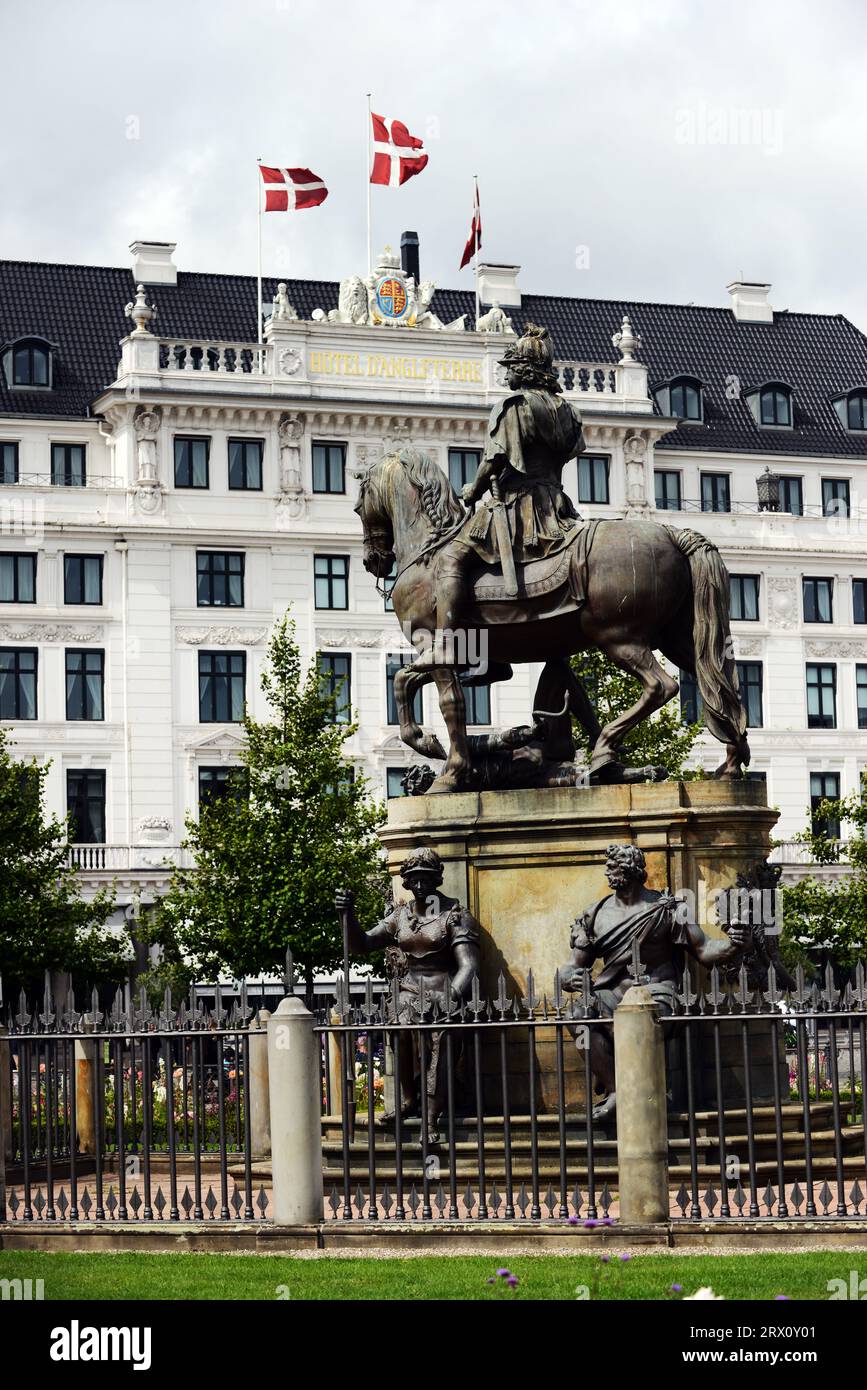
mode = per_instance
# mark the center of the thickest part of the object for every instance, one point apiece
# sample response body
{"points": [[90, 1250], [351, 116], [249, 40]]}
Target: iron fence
{"points": [[436, 1108], [132, 1114]]}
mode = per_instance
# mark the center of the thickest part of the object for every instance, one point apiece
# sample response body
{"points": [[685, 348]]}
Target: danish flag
{"points": [[397, 155], [474, 240], [304, 188]]}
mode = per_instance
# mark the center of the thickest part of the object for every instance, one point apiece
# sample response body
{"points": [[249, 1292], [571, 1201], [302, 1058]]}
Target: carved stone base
{"points": [[526, 862]]}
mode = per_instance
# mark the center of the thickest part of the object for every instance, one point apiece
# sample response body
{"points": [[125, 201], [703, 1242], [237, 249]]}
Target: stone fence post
{"points": [[5, 1116], [85, 1088], [260, 1105], [642, 1120], [296, 1115]]}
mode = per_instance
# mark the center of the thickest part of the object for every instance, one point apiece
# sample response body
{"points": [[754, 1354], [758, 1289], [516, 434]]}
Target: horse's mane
{"points": [[436, 496]]}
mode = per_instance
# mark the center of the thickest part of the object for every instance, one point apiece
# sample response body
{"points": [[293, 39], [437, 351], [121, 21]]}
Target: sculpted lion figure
{"points": [[352, 302]]}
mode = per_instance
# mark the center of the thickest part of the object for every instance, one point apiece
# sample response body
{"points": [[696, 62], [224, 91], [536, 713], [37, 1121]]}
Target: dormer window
{"points": [[685, 398], [775, 406], [27, 364], [852, 409], [681, 396], [771, 405]]}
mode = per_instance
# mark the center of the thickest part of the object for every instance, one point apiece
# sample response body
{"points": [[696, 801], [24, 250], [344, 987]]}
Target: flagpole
{"points": [[476, 235], [367, 175], [258, 251]]}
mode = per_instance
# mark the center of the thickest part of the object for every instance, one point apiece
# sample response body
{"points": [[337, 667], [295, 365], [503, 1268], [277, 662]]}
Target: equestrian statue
{"points": [[510, 573]]}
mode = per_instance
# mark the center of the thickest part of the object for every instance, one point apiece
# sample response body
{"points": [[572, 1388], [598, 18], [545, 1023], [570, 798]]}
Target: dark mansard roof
{"points": [[80, 310]]}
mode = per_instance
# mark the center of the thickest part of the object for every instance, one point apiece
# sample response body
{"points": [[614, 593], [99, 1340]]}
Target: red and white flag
{"points": [[291, 189], [474, 239], [397, 155]]}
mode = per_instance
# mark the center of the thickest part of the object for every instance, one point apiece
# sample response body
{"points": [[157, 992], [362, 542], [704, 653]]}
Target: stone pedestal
{"points": [[526, 862]]}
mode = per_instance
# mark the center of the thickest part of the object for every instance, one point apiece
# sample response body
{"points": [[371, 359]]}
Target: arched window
{"points": [[775, 405], [27, 362], [685, 398], [856, 410]]}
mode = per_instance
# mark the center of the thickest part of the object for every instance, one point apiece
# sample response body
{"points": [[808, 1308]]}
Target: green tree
{"points": [[269, 856], [830, 917], [664, 739], [45, 924]]}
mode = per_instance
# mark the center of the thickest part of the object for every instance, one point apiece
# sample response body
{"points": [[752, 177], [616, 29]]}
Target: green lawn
{"points": [[185, 1276]]}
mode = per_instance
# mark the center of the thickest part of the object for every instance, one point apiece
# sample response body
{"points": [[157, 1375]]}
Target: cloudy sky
{"points": [[650, 149]]}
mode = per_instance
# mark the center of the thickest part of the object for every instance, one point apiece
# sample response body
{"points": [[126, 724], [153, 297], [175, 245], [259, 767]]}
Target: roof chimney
{"points": [[750, 301], [152, 262], [409, 255], [500, 283]]}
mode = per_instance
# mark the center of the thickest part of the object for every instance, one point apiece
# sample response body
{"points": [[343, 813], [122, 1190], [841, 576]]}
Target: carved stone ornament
{"points": [[358, 637], [289, 361], [50, 632], [140, 312], [750, 648], [626, 340], [221, 636], [496, 320], [782, 601], [283, 311], [390, 298], [841, 651], [292, 502], [147, 498]]}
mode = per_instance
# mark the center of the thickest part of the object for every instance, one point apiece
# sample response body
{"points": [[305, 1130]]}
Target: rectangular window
{"points": [[8, 462], [331, 581], [217, 783], [821, 695], [219, 579], [329, 468], [222, 687], [68, 465], [667, 486], [85, 684], [387, 586], [835, 497], [478, 702], [744, 597], [191, 462], [859, 600], [818, 600], [17, 578], [463, 467], [861, 693], [824, 786], [82, 579], [335, 682], [792, 496], [392, 665], [245, 464], [691, 704], [18, 682], [750, 682], [593, 478], [85, 806], [715, 495], [394, 782]]}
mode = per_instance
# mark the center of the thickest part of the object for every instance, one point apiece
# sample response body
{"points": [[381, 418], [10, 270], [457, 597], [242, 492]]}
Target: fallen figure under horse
{"points": [[629, 588]]}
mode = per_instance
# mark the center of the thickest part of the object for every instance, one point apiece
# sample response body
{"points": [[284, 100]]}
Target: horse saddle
{"points": [[564, 569]]}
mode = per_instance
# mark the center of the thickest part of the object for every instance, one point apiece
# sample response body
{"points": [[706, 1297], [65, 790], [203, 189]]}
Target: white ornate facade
{"points": [[348, 378]]}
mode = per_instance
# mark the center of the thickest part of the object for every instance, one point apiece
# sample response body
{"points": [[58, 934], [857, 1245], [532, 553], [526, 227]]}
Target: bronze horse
{"points": [[645, 588]]}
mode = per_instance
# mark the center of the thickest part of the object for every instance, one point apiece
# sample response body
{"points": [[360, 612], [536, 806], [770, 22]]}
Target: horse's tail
{"points": [[715, 668]]}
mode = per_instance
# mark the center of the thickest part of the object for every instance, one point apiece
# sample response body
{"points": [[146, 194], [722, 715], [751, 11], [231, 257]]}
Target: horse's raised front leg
{"points": [[456, 775], [407, 683], [658, 687]]}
